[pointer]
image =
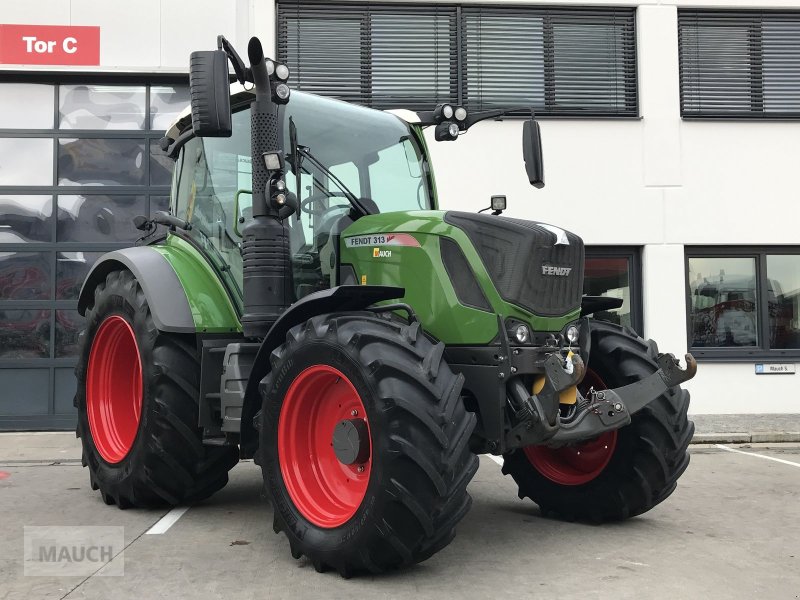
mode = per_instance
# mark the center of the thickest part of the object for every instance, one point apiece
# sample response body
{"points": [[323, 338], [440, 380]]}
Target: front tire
{"points": [[621, 473], [398, 502], [137, 405]]}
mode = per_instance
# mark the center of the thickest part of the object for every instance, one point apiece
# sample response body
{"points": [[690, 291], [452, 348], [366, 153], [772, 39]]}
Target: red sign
{"points": [[49, 45]]}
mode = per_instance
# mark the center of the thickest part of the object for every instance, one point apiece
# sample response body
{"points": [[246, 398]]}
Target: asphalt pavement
{"points": [[731, 530]]}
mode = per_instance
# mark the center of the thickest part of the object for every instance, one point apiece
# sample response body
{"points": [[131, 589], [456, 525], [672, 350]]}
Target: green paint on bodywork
{"points": [[428, 289], [210, 304]]}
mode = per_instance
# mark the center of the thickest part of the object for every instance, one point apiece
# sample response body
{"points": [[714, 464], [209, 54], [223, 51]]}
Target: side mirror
{"points": [[209, 85], [532, 153]]}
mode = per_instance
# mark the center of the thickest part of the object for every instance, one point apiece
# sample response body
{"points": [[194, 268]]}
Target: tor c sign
{"points": [[49, 45]]}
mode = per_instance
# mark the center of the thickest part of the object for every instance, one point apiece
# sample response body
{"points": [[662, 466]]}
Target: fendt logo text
{"points": [[553, 270]]}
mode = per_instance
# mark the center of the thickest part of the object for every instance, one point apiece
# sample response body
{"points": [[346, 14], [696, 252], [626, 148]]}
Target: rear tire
{"points": [[649, 454], [152, 454], [412, 490]]}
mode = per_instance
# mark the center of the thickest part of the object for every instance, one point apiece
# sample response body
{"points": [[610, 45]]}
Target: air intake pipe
{"points": [[267, 267]]}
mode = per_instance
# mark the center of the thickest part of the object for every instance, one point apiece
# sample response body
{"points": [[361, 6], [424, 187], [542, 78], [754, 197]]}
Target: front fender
{"points": [[336, 299]]}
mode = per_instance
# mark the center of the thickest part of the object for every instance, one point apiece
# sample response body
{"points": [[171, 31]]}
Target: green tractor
{"points": [[304, 303]]}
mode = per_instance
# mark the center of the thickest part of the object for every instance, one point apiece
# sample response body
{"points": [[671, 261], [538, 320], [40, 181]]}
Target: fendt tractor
{"points": [[305, 303]]}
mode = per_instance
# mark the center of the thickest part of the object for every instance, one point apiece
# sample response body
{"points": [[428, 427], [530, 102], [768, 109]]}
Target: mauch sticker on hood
{"points": [[381, 239]]}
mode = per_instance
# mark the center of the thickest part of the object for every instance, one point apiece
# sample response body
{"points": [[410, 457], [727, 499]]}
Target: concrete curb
{"points": [[753, 437]]}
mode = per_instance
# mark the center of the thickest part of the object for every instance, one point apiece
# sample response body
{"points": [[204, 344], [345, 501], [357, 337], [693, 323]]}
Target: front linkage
{"points": [[535, 418]]}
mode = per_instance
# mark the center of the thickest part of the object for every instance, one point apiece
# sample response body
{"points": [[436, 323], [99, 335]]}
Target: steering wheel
{"points": [[306, 207]]}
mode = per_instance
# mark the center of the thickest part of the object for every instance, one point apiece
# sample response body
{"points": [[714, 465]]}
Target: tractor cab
{"points": [[375, 156]]}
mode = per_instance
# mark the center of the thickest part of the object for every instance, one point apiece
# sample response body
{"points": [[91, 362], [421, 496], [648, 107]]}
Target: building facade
{"points": [[669, 129]]}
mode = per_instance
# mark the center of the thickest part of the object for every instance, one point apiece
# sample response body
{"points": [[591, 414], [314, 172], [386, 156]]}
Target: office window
{"points": [[741, 64], [615, 272], [744, 302], [384, 56], [570, 61]]}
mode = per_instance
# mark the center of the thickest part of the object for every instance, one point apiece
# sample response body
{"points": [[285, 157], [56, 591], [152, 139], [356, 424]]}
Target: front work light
{"points": [[282, 93], [446, 131], [461, 113], [282, 72], [273, 161], [522, 333]]}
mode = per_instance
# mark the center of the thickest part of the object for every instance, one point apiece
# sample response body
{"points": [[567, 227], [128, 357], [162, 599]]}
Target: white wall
{"points": [[658, 182], [150, 35]]}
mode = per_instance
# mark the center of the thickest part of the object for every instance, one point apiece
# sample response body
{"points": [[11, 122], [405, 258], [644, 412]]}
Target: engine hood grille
{"points": [[528, 262]]}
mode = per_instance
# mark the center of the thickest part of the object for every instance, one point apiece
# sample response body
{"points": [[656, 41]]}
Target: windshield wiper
{"points": [[297, 151]]}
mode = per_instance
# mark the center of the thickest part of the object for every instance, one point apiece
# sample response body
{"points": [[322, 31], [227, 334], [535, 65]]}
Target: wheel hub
{"points": [[351, 441]]}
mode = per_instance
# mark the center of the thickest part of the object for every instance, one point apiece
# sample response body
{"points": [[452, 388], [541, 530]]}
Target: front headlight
{"points": [[522, 333], [573, 333]]}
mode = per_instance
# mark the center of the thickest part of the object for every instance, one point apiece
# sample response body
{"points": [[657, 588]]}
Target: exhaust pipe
{"points": [[267, 276]]}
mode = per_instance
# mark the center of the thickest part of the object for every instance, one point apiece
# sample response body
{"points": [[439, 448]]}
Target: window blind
{"points": [[576, 61], [743, 64]]}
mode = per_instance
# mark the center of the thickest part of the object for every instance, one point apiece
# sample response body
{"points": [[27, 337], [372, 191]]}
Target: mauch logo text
{"points": [[74, 550], [554, 270], [72, 554]]}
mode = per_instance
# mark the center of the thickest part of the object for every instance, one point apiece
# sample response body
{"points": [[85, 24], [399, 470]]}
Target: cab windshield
{"points": [[375, 155]]}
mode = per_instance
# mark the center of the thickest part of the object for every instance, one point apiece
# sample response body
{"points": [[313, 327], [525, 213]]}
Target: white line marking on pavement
{"points": [[497, 459], [167, 521], [780, 460]]}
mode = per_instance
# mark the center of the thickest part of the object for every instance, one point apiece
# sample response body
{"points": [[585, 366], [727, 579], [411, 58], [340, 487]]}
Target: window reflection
{"points": [[609, 277], [25, 333], [166, 103], [160, 165], [99, 218], [25, 219], [24, 276], [101, 162], [26, 106], [783, 295], [723, 302], [69, 325], [71, 270], [159, 203], [101, 106], [26, 161]]}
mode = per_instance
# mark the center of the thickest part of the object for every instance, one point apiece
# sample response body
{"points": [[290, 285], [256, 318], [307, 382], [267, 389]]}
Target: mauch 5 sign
{"points": [[49, 45]]}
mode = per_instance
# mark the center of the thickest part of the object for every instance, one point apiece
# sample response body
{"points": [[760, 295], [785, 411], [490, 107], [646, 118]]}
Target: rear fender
{"points": [[160, 284]]}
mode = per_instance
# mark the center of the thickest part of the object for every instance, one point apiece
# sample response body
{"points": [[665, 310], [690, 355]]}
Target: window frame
{"points": [[458, 67], [761, 351], [753, 20], [634, 256]]}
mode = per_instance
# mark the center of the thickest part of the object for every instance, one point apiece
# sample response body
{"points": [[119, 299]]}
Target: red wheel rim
{"points": [[114, 389], [327, 492], [579, 463]]}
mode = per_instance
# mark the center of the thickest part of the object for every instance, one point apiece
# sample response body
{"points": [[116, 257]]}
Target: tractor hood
{"points": [[533, 265]]}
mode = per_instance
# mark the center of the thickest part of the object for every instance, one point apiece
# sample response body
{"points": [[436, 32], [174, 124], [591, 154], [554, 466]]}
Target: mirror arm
{"points": [[242, 72]]}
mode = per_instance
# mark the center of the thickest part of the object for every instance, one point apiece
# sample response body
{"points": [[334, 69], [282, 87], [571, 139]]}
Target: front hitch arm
{"points": [[612, 409], [537, 414]]}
